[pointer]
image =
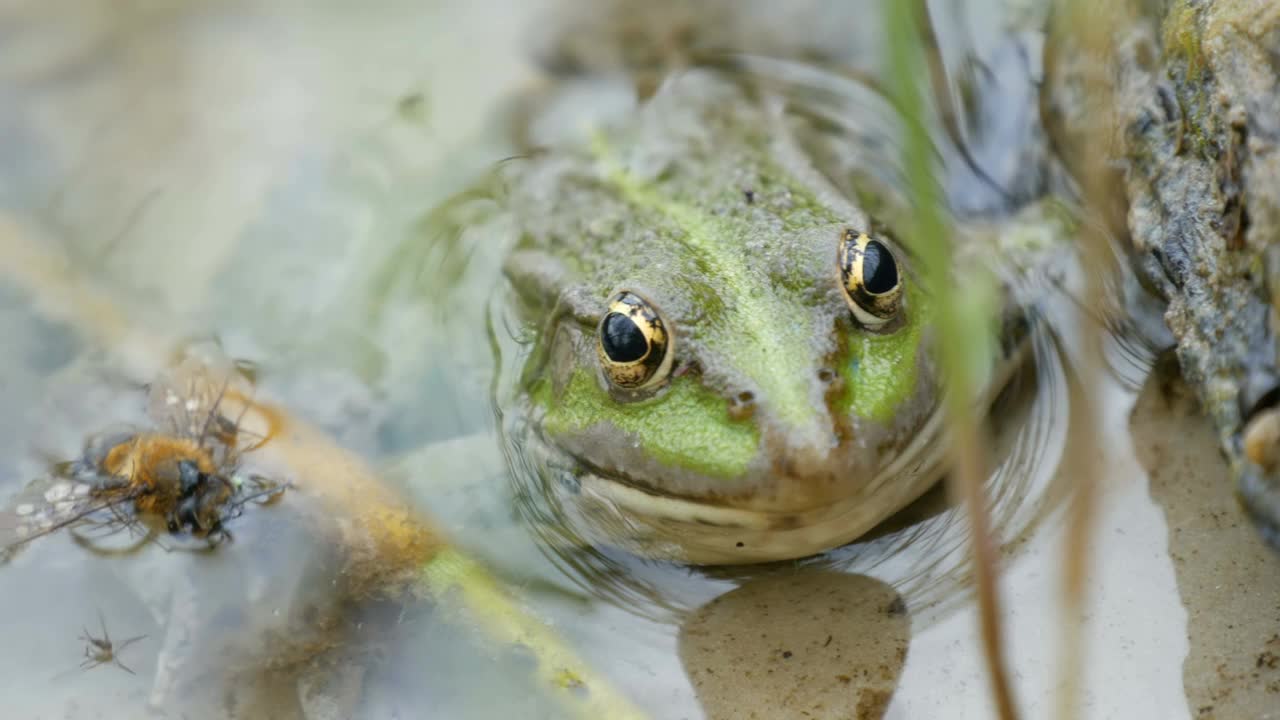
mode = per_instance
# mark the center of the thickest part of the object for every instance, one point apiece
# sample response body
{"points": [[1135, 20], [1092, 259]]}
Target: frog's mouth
{"points": [[620, 511]]}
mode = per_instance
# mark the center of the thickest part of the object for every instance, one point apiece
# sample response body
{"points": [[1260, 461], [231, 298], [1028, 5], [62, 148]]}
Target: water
{"points": [[256, 172]]}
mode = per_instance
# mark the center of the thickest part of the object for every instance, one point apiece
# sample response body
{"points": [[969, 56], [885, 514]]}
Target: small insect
{"points": [[180, 476], [100, 651]]}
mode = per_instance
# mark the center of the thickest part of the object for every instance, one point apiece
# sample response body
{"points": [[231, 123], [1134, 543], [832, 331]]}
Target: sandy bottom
{"points": [[1229, 580]]}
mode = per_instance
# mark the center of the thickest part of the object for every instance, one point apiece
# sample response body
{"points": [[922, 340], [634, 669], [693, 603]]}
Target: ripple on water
{"points": [[921, 552]]}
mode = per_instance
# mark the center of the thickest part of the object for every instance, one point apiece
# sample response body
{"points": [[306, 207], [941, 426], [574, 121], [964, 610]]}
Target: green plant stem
{"points": [[959, 323]]}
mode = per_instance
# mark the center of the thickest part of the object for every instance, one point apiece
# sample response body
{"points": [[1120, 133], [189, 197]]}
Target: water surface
{"points": [[249, 171]]}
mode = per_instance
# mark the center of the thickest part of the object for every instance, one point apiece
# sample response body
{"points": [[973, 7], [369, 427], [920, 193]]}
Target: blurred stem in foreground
{"points": [[961, 324], [1083, 34]]}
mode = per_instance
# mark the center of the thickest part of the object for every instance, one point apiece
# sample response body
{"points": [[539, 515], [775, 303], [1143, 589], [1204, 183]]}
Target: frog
{"points": [[709, 335], [727, 352], [729, 349]]}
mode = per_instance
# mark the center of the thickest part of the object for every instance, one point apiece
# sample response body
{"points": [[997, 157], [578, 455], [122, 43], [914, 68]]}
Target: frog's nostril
{"points": [[742, 405], [804, 463], [826, 375]]}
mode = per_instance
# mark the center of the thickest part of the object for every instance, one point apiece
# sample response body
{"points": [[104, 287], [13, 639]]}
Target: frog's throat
{"points": [[673, 528]]}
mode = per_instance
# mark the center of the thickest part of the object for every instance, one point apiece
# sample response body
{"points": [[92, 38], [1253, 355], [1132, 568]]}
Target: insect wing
{"points": [[44, 506]]}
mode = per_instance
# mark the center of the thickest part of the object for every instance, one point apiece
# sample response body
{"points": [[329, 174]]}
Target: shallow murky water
{"points": [[270, 175]]}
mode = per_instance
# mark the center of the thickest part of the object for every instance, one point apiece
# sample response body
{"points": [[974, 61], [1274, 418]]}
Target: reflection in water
{"points": [[805, 643]]}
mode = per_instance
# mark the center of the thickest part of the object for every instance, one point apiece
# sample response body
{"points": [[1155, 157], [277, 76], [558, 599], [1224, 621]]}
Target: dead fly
{"points": [[100, 651], [180, 477]]}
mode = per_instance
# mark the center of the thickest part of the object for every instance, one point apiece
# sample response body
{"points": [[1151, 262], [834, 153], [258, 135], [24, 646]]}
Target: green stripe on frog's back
{"points": [[759, 316], [881, 371], [769, 334]]}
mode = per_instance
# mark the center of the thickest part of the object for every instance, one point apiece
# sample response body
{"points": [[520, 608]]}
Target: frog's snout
{"points": [[804, 456]]}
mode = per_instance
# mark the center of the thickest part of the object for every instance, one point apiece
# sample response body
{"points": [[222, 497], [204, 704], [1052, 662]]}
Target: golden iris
{"points": [[870, 278], [634, 345]]}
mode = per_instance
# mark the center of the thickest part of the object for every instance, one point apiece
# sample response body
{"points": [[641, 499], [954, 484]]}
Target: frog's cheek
{"points": [[881, 374], [685, 431], [685, 443]]}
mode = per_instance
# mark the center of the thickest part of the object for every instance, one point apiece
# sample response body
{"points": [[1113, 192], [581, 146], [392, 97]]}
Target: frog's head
{"points": [[737, 361]]}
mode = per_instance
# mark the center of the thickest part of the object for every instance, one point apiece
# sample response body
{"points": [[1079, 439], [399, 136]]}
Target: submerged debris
{"points": [[100, 651], [181, 476]]}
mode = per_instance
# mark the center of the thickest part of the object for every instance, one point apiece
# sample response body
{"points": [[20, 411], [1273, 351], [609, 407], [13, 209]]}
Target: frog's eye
{"points": [[870, 279], [635, 348]]}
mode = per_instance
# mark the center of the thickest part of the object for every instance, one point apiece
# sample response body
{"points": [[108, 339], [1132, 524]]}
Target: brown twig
{"points": [[1089, 25]]}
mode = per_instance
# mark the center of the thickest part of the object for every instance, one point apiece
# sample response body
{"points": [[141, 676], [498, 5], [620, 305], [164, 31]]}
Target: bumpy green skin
{"points": [[704, 205], [688, 427], [1204, 190]]}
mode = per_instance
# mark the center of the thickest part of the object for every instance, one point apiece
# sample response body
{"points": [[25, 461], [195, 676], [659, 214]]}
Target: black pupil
{"points": [[879, 273], [622, 340]]}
